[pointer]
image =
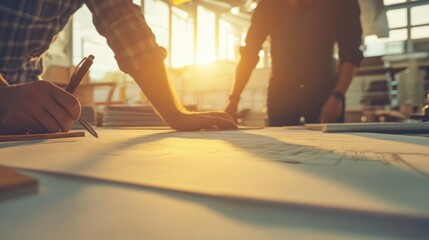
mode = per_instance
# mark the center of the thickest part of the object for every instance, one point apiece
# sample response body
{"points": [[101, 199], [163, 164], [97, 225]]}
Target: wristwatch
{"points": [[338, 95]]}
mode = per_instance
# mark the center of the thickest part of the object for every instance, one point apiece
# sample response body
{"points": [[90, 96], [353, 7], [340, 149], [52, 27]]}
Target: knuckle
{"points": [[28, 90], [45, 87], [30, 95], [71, 105], [75, 102], [27, 94], [44, 84], [75, 112], [65, 122]]}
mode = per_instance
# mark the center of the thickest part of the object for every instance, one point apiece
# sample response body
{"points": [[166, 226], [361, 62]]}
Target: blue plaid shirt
{"points": [[27, 28]]}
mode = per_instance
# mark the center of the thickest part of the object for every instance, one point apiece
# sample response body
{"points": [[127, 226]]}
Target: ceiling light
{"points": [[235, 10], [253, 5]]}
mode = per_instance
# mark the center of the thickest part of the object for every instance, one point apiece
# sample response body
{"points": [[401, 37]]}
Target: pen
{"points": [[78, 73]]}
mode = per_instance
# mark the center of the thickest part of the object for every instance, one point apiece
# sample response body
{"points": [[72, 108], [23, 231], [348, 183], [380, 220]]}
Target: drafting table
{"points": [[271, 183]]}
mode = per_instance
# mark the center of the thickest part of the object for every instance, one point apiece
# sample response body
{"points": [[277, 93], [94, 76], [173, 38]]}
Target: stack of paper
{"points": [[131, 116]]}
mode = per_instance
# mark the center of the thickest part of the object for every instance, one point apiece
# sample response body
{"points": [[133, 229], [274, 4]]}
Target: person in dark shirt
{"points": [[304, 80], [30, 105]]}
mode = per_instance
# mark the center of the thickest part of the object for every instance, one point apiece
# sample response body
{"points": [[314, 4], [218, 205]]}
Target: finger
{"points": [[67, 101], [47, 120], [23, 122], [31, 125], [219, 121], [227, 125], [59, 114]]}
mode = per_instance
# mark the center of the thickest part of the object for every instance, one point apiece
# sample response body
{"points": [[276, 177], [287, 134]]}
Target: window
{"points": [[182, 49], [157, 17], [86, 40], [420, 32], [206, 50], [403, 27], [397, 18], [420, 15], [420, 22], [390, 2], [228, 41]]}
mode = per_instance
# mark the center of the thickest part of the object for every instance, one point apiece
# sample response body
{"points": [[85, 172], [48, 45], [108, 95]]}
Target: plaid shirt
{"points": [[27, 28]]}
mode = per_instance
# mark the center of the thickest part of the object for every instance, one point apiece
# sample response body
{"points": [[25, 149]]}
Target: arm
{"points": [[349, 39], [242, 76], [333, 107], [137, 54], [258, 31], [153, 80], [346, 74]]}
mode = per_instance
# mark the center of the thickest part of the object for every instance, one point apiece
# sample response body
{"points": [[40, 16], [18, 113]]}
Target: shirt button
{"points": [[301, 86]]}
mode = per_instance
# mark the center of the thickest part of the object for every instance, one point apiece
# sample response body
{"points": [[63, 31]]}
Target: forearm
{"points": [[242, 77], [345, 77], [334, 106], [153, 81]]}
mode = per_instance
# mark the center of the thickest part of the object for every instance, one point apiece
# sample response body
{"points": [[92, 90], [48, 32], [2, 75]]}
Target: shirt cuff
{"points": [[353, 58]]}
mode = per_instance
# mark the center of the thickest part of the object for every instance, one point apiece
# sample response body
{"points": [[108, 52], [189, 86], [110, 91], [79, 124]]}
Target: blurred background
{"points": [[203, 37]]}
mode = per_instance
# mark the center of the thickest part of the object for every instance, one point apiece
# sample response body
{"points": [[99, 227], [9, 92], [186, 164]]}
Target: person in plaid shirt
{"points": [[31, 105]]}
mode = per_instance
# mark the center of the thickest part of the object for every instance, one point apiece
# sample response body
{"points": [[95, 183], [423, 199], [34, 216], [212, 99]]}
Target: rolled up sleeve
{"points": [[128, 35], [350, 33]]}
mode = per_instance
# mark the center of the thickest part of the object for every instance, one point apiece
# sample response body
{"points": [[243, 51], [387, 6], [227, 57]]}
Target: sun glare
{"points": [[206, 51], [183, 49]]}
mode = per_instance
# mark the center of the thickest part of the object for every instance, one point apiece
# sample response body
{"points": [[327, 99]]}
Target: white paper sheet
{"points": [[362, 172]]}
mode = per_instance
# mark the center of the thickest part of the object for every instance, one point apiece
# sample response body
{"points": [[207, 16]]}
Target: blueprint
{"points": [[370, 172]]}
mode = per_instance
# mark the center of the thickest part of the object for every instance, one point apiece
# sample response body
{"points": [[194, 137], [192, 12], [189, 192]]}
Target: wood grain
{"points": [[27, 137]]}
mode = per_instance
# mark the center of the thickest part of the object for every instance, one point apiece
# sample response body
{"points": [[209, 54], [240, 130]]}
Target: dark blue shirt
{"points": [[302, 38]]}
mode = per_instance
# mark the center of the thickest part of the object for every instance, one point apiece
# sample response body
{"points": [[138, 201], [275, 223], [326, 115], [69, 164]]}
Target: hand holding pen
{"points": [[36, 107], [78, 74], [40, 106]]}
